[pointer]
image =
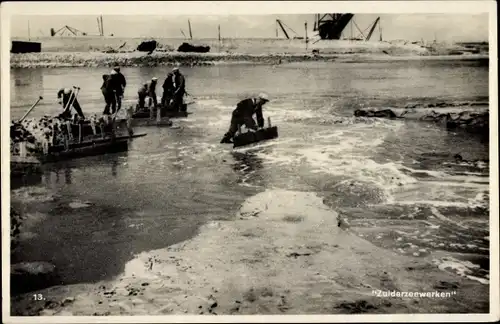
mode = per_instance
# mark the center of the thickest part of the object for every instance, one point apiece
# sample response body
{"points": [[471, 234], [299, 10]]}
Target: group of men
{"points": [[174, 89], [113, 88]]}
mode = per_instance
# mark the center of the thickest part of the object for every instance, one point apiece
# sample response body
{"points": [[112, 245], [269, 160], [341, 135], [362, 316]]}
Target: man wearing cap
{"points": [[243, 115], [152, 91], [67, 95], [111, 90], [174, 89], [119, 85]]}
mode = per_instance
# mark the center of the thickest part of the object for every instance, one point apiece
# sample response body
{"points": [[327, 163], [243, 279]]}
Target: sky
{"points": [[442, 27]]}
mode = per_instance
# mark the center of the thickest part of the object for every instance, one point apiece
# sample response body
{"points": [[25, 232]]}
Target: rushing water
{"points": [[396, 182]]}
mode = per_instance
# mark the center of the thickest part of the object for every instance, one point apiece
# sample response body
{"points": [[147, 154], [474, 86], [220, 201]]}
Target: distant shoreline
{"points": [[103, 52], [141, 59]]}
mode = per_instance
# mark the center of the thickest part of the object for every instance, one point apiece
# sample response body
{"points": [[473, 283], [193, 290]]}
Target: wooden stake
{"points": [[68, 127], [45, 147], [151, 111], [307, 41], [218, 28], [22, 149], [92, 124]]}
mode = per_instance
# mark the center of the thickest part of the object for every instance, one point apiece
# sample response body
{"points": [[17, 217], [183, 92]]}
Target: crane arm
{"points": [[282, 28], [372, 29]]}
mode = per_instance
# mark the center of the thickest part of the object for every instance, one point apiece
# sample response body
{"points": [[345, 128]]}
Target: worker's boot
{"points": [[226, 139]]}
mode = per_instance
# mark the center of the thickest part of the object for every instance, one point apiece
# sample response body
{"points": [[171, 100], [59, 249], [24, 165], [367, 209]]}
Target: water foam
{"points": [[344, 152]]}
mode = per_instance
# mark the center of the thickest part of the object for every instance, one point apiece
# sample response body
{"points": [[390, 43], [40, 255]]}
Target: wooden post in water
{"points": [[307, 40], [158, 115], [22, 149], [218, 28], [68, 127], [66, 143], [92, 124], [269, 122], [45, 147], [151, 110], [130, 111], [113, 125]]}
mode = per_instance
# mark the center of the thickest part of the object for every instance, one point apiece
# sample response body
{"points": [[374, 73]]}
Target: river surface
{"points": [[396, 182]]}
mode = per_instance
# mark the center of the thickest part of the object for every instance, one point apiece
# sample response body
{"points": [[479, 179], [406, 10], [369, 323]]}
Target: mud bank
{"points": [[285, 253], [139, 59], [256, 45], [474, 120]]}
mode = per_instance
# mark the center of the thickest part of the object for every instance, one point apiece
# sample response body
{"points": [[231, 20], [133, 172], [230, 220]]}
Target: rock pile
{"points": [[147, 46], [472, 122], [186, 47]]}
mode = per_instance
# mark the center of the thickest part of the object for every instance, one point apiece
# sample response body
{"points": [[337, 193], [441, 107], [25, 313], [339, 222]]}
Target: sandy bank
{"points": [[138, 59], [284, 254]]}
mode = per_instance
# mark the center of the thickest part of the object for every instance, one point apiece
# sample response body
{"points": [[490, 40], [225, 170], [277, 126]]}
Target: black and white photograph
{"points": [[228, 161]]}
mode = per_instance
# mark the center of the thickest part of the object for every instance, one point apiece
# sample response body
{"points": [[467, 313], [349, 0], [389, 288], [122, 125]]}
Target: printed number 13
{"points": [[38, 297]]}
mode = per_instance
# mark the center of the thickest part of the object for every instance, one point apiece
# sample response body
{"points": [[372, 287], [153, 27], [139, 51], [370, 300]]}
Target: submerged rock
{"points": [[386, 113]]}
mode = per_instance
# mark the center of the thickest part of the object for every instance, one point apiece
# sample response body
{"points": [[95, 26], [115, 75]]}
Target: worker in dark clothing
{"points": [[67, 95], [152, 91], [108, 93], [142, 93], [119, 83], [148, 89], [243, 115], [174, 89]]}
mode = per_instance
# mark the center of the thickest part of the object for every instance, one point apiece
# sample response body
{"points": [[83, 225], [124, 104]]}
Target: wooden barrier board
{"points": [[92, 147], [254, 137], [164, 122], [88, 150]]}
